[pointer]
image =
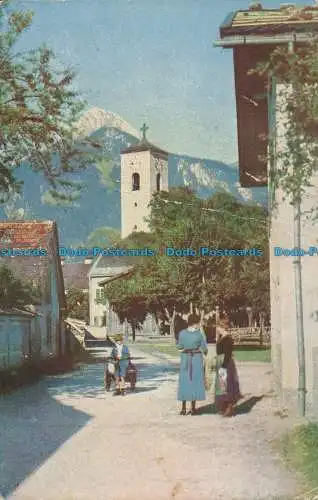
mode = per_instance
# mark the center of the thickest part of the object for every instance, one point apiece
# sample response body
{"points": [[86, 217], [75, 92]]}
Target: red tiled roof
{"points": [[25, 234], [32, 234], [270, 21]]}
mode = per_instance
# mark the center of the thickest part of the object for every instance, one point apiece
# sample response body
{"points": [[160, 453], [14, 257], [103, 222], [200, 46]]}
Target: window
{"points": [[100, 295], [135, 227], [103, 319], [135, 204], [158, 179], [135, 182]]}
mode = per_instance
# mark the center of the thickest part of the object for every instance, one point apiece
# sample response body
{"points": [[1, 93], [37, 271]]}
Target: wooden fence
{"points": [[251, 336]]}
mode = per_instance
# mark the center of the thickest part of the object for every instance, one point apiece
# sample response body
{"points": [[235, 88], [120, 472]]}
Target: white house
{"points": [[253, 34], [104, 269]]}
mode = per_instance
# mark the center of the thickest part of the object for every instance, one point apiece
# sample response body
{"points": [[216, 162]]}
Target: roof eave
{"points": [[227, 23], [60, 277], [142, 147], [114, 278], [230, 42]]}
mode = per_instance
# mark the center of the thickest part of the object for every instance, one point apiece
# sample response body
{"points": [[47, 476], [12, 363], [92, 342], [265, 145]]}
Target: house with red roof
{"points": [[30, 250]]}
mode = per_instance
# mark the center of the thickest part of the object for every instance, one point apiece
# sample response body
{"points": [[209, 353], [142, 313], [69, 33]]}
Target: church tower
{"points": [[144, 171]]}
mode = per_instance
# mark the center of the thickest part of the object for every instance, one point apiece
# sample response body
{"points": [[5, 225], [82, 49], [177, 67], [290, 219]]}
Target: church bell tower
{"points": [[144, 171]]}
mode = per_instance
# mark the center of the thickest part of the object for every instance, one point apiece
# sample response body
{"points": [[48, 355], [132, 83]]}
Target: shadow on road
{"points": [[33, 426], [88, 380], [248, 405], [146, 389], [241, 409], [209, 409]]}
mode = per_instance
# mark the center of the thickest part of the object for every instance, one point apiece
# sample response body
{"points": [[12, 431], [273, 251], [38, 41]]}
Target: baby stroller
{"points": [[131, 376], [109, 376]]}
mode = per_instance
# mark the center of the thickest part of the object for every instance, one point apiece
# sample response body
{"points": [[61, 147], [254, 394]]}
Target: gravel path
{"points": [[66, 439]]}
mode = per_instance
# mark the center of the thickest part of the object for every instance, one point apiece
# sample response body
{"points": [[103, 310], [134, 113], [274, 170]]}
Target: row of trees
{"points": [[163, 285]]}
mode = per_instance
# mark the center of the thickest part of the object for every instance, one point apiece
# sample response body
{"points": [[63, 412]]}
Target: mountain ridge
{"points": [[99, 205]]}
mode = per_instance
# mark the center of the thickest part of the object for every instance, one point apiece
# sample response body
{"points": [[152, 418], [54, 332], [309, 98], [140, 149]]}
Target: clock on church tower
{"points": [[144, 171]]}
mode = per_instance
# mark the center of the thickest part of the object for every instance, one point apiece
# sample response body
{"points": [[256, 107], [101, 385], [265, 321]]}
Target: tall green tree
{"points": [[77, 304], [103, 237], [39, 109], [166, 284]]}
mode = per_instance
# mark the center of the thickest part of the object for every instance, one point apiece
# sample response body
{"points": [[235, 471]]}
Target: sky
{"points": [[153, 61]]}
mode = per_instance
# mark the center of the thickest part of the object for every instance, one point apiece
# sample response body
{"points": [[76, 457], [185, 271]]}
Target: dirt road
{"points": [[66, 439]]}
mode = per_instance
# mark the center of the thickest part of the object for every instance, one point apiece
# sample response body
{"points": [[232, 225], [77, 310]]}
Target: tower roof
{"points": [[144, 145]]}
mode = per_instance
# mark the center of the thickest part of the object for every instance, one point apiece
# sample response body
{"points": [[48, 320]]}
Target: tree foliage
{"points": [[103, 237], [297, 104], [39, 109], [77, 304], [163, 284]]}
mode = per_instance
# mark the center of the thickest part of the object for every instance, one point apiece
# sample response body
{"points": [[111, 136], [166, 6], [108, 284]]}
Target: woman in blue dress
{"points": [[192, 345], [120, 355]]}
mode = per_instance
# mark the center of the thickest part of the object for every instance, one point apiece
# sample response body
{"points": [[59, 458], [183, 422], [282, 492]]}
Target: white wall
{"points": [[143, 163], [95, 310], [283, 313]]}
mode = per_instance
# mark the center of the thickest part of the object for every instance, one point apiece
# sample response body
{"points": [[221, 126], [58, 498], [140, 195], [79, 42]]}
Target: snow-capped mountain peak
{"points": [[97, 118]]}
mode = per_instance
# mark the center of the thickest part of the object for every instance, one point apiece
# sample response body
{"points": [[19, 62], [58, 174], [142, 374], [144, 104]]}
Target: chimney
{"points": [[255, 6]]}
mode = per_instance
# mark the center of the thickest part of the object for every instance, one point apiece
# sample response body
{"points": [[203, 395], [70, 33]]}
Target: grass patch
{"points": [[300, 450], [240, 354], [169, 349], [256, 355]]}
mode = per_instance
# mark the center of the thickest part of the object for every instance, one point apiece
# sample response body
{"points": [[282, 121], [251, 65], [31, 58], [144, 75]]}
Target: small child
{"points": [[120, 355]]}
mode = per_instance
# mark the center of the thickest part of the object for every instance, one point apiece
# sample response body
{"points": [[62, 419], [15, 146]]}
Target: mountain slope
{"points": [[100, 202]]}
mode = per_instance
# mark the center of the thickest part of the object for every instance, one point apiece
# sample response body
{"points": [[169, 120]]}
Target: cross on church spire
{"points": [[143, 130]]}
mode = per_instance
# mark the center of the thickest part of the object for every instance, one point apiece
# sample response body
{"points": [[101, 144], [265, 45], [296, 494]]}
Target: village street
{"points": [[66, 439]]}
